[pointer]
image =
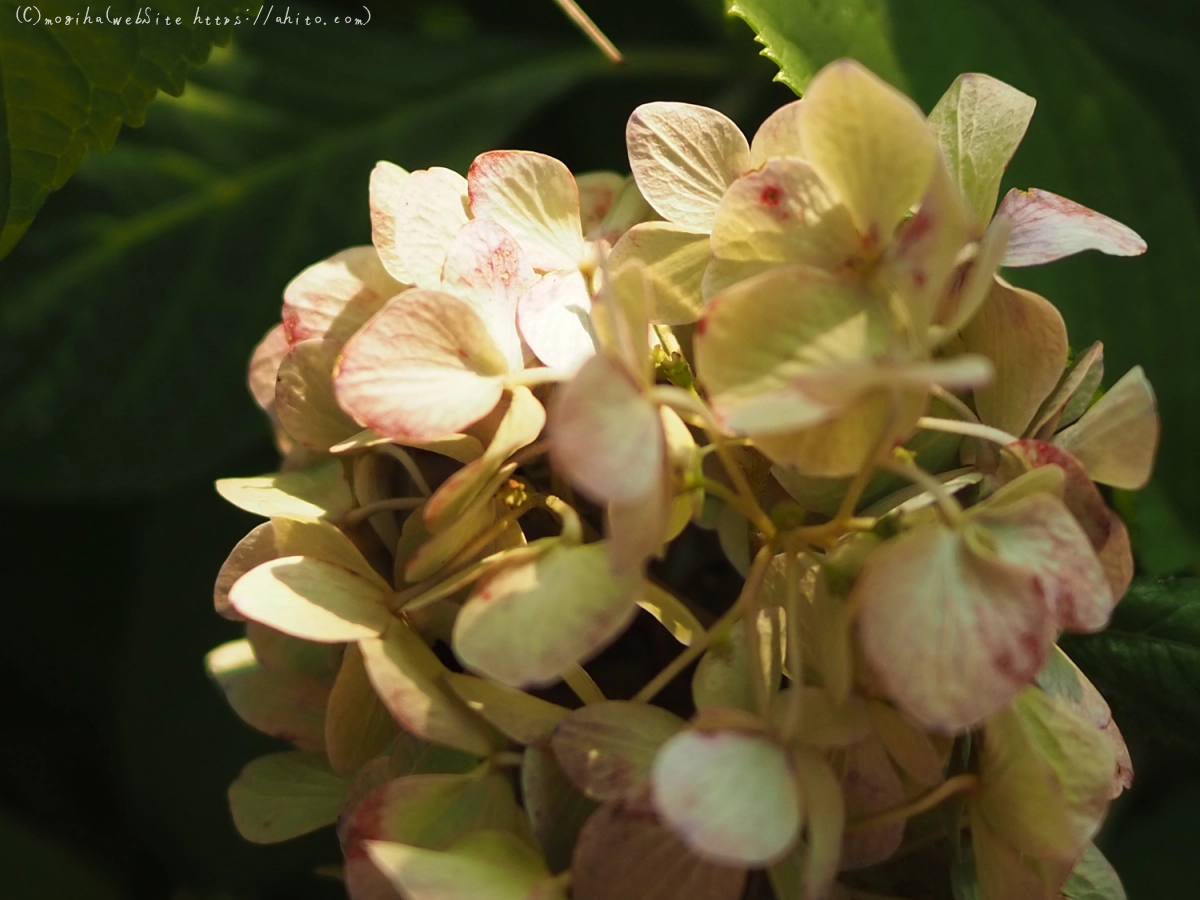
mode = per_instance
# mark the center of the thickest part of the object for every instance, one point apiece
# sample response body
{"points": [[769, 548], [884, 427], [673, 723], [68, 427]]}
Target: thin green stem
{"points": [[951, 510], [970, 429], [948, 788], [748, 597], [354, 516], [402, 456]]}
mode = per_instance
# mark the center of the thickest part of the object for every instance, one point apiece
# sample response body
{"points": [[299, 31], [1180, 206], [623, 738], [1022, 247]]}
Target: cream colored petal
{"points": [[778, 135], [1116, 440], [333, 298], [979, 123], [870, 144], [1047, 227], [684, 157], [264, 367], [553, 317], [598, 193], [784, 212], [971, 283], [425, 367], [534, 197], [414, 219], [674, 260], [1026, 339], [304, 400]]}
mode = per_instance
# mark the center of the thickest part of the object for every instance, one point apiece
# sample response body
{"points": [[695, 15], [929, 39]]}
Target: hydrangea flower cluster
{"points": [[495, 419]]}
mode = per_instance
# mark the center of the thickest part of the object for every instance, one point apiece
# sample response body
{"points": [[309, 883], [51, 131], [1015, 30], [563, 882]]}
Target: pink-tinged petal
{"points": [[638, 530], [1025, 337], [979, 123], [553, 317], [605, 434], [1038, 534], [730, 796], [870, 785], [784, 212], [1103, 527], [683, 158], [1116, 440], [871, 145], [264, 367], [535, 198], [486, 267], [970, 285], [304, 400], [778, 135], [921, 260], [414, 219], [598, 192], [333, 298], [953, 635], [1047, 227], [425, 367]]}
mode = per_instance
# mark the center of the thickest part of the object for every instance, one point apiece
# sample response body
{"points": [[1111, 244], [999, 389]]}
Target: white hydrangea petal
{"points": [[554, 319], [414, 219]]}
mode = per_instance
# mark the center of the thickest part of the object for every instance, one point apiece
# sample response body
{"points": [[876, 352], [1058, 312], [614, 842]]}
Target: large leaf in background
{"points": [[1091, 140], [68, 88], [1147, 663], [131, 310]]}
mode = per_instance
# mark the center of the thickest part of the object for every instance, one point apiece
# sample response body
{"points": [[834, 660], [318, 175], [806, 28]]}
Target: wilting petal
{"points": [[608, 749], [674, 260], [425, 367], [598, 192], [311, 599], [784, 212], [529, 623], [871, 145], [953, 634], [605, 434], [1045, 778], [1117, 438], [761, 334], [778, 135], [492, 864], [979, 123], [264, 367], [333, 298], [1025, 337], [624, 852], [535, 198], [285, 795], [485, 267], [408, 679], [684, 157], [304, 400], [1103, 527], [731, 797], [1072, 396], [414, 219], [553, 318], [1047, 227], [1039, 534]]}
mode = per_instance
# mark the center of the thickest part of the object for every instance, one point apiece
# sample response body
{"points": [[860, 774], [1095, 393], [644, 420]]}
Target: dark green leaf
{"points": [[131, 311], [1090, 140], [1147, 663], [67, 88]]}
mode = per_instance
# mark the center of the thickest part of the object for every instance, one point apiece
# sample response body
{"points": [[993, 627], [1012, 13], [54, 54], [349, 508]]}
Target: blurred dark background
{"points": [[128, 312]]}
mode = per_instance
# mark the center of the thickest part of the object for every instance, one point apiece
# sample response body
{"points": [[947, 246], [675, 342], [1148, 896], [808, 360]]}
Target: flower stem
{"points": [[748, 596], [970, 429], [588, 27], [950, 509], [354, 516], [405, 459]]}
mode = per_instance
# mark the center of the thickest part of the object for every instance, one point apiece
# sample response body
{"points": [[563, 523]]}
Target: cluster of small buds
{"points": [[496, 417]]}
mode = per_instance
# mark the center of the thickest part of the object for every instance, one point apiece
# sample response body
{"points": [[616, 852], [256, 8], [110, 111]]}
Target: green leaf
{"points": [[1091, 140], [1093, 879], [68, 88], [285, 795], [131, 312], [1147, 663]]}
